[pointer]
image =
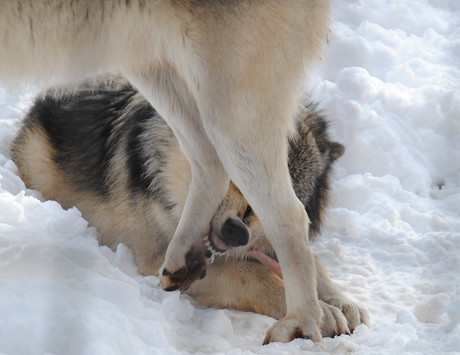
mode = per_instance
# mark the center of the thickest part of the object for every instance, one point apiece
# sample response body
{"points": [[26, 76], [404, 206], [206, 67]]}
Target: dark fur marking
{"points": [[310, 165], [82, 150], [192, 260], [87, 130], [248, 212], [147, 157], [139, 179], [179, 274], [297, 334]]}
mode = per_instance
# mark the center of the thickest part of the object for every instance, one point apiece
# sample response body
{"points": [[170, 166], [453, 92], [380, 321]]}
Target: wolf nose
{"points": [[234, 233]]}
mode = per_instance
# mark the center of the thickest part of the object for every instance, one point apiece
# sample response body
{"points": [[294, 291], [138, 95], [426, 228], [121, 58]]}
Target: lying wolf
{"points": [[105, 149]]}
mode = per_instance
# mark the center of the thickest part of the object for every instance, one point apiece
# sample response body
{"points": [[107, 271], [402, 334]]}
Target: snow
{"points": [[391, 84]]}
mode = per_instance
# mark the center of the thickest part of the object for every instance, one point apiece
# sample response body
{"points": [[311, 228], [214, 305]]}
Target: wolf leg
{"points": [[185, 257], [253, 148]]}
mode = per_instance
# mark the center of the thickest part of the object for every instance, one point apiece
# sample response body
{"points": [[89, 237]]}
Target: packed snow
{"points": [[390, 81]]}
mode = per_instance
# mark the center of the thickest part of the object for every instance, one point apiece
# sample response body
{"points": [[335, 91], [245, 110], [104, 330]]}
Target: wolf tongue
{"points": [[269, 262]]}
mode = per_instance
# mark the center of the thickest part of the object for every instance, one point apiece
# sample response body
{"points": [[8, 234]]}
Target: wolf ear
{"points": [[336, 150]]}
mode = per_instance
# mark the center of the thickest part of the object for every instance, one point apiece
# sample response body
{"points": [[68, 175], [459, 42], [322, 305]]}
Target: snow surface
{"points": [[391, 239]]}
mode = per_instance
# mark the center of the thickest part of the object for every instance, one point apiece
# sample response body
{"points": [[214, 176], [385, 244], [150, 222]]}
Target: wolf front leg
{"points": [[303, 313], [251, 141], [171, 95], [285, 222]]}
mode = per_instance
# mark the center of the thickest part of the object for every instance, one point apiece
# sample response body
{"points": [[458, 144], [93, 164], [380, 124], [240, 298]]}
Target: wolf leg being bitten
{"points": [[226, 76]]}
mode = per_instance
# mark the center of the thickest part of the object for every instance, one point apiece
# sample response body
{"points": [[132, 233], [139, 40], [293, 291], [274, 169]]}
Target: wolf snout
{"points": [[234, 233]]}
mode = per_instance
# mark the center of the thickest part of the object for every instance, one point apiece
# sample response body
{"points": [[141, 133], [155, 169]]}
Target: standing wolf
{"points": [[226, 77], [106, 150]]}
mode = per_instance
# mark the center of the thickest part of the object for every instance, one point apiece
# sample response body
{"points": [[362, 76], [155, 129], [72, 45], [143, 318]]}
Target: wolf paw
{"points": [[290, 328], [354, 314], [183, 277], [333, 321]]}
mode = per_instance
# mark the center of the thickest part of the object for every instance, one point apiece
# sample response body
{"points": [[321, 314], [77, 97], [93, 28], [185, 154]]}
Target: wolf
{"points": [[226, 76], [104, 149]]}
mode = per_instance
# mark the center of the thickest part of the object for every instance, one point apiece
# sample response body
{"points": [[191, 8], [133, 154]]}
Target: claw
{"points": [[172, 288]]}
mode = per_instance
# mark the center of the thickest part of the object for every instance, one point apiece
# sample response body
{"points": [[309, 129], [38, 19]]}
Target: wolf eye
{"points": [[248, 212]]}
